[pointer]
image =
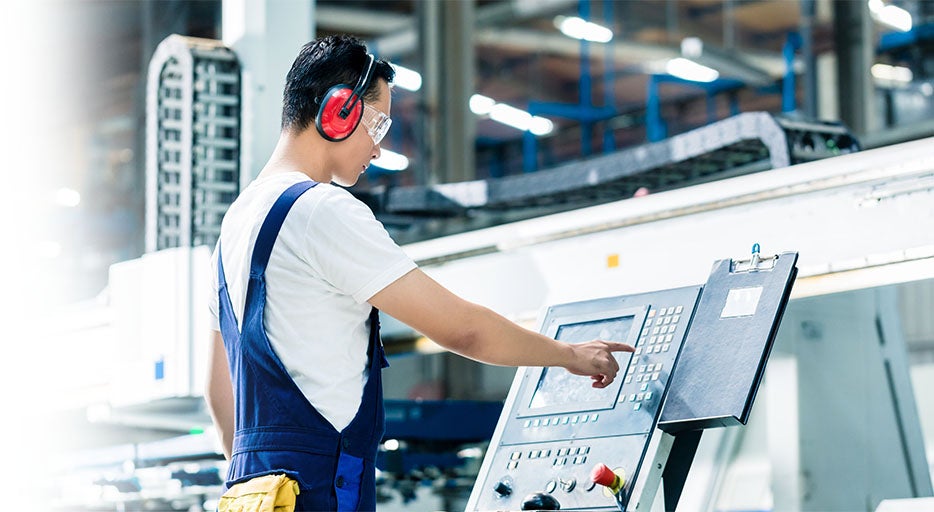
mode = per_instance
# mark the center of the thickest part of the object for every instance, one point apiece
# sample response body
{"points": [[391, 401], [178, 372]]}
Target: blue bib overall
{"points": [[277, 429]]}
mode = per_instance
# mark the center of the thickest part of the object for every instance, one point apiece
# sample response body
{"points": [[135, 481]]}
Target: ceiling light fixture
{"points": [[510, 116], [890, 15], [579, 28], [406, 78], [892, 73], [391, 161], [520, 119], [690, 70], [481, 105]]}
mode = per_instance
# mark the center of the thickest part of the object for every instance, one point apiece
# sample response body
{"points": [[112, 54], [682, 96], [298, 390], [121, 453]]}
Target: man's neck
{"points": [[299, 152]]}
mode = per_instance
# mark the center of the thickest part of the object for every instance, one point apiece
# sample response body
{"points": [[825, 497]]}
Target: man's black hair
{"points": [[322, 64]]}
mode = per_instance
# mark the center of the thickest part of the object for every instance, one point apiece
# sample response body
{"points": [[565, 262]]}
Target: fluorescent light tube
{"points": [[690, 70], [578, 28], [406, 78], [391, 161]]}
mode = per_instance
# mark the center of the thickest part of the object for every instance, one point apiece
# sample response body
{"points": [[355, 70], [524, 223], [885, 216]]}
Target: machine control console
{"points": [[559, 425], [559, 440]]}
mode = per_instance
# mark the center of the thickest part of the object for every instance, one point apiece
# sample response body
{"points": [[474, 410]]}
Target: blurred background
{"points": [[489, 95]]}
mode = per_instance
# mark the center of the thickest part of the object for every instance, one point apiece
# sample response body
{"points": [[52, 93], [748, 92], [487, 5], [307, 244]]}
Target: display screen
{"points": [[558, 386]]}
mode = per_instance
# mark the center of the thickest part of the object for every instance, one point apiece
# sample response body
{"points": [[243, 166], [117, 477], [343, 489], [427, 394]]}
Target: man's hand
{"points": [[595, 359]]}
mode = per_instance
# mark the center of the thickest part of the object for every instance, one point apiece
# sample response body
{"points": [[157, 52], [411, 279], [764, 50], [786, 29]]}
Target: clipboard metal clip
{"points": [[756, 263]]}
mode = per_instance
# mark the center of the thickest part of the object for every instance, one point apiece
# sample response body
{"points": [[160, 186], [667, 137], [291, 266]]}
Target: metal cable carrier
{"points": [[192, 141], [742, 144]]}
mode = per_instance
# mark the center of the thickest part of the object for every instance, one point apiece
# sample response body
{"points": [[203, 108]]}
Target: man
{"points": [[301, 267]]}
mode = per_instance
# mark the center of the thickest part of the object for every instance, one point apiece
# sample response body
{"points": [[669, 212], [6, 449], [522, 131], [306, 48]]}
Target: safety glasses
{"points": [[377, 123]]}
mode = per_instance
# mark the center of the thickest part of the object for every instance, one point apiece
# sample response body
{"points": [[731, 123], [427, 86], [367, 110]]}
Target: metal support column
{"points": [[808, 12], [853, 38], [266, 35], [446, 37]]}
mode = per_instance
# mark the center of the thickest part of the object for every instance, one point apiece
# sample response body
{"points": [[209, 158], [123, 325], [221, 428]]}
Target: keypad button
{"points": [[675, 319], [575, 419], [641, 368], [648, 396], [593, 417], [667, 320], [585, 418], [534, 454], [648, 323], [665, 347], [632, 398], [679, 309], [562, 452], [644, 386], [536, 423], [564, 420], [669, 338], [515, 455], [563, 461], [637, 406], [651, 313], [628, 380], [638, 351], [621, 399], [671, 328], [632, 369], [655, 330], [546, 422], [583, 450], [528, 423], [513, 465], [655, 376], [551, 486], [546, 453]]}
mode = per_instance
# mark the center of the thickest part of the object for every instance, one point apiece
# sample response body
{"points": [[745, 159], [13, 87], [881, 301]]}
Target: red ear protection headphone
{"points": [[341, 108]]}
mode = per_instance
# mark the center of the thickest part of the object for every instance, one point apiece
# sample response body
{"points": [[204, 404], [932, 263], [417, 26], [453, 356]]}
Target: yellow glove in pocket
{"points": [[268, 493]]}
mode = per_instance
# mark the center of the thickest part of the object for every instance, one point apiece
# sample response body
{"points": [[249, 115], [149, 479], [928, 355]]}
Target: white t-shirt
{"points": [[330, 258]]}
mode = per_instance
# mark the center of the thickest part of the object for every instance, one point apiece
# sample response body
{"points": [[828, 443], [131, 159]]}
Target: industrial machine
{"points": [[700, 352]]}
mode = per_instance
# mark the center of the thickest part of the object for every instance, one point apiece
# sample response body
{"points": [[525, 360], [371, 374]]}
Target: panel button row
{"points": [[656, 349], [562, 461], [562, 420], [580, 450], [642, 377], [638, 397]]}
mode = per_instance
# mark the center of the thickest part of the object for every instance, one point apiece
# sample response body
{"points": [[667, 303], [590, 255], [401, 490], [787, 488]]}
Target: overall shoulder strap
{"points": [[269, 231]]}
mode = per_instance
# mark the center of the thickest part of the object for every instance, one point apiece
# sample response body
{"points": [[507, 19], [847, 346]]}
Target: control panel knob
{"points": [[608, 478], [502, 488], [540, 501], [569, 484]]}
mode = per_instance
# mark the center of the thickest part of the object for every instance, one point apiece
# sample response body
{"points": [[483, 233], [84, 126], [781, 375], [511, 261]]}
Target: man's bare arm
{"points": [[218, 393], [481, 334]]}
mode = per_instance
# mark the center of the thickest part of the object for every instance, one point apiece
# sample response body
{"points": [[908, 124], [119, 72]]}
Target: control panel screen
{"points": [[557, 386]]}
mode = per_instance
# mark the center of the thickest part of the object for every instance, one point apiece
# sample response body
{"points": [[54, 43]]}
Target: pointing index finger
{"points": [[616, 346]]}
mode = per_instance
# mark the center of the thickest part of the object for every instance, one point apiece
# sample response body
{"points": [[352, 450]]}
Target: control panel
{"points": [[562, 444]]}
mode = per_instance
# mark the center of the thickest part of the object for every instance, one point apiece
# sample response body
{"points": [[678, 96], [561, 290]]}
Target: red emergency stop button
{"points": [[612, 480]]}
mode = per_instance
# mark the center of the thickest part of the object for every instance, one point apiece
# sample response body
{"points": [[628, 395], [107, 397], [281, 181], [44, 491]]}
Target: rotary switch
{"points": [[502, 488]]}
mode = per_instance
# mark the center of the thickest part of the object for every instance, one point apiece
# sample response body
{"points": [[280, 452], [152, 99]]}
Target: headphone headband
{"points": [[362, 85]]}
